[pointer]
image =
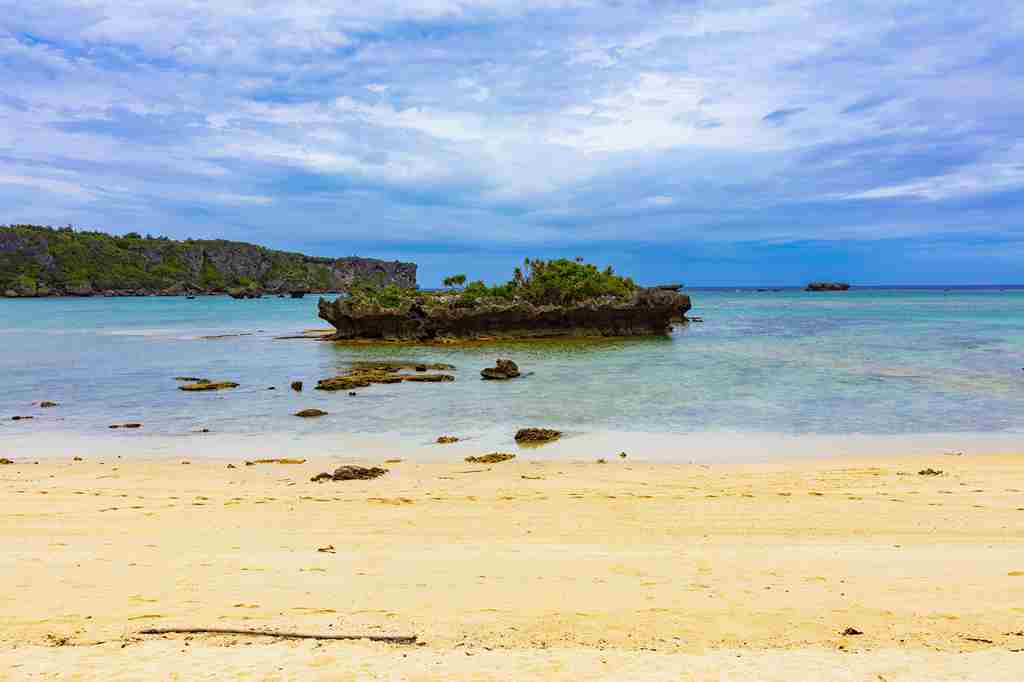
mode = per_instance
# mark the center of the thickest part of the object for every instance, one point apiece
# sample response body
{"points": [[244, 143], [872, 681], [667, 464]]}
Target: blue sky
{"points": [[713, 143]]}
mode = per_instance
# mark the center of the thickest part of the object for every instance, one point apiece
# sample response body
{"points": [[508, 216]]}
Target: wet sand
{"points": [[557, 570]]}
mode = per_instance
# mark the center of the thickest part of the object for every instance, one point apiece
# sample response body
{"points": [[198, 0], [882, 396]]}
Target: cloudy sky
{"points": [[764, 142]]}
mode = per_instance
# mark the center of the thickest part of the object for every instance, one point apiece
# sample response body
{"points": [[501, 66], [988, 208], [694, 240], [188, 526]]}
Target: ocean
{"points": [[782, 367]]}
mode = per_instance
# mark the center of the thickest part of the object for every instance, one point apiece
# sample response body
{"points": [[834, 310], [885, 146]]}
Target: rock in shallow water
{"points": [[208, 386], [503, 369], [537, 435], [312, 412]]}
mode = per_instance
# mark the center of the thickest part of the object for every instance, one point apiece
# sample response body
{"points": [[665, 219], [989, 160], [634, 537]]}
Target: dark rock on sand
{"points": [[4, 460], [930, 472], [492, 458], [297, 386], [312, 412], [851, 632], [208, 386], [503, 369], [537, 435], [350, 472]]}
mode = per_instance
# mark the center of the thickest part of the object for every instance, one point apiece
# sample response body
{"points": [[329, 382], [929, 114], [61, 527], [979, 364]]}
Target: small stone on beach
{"points": [[350, 472], [492, 458]]}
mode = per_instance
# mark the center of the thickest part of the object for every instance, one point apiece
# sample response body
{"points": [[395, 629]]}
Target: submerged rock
{"points": [[537, 435], [19, 417], [503, 369], [364, 374], [312, 412], [429, 378], [208, 386], [492, 458], [297, 386], [350, 472], [127, 425], [47, 403], [444, 440]]}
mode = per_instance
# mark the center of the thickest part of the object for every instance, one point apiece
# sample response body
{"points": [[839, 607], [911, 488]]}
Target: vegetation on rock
{"points": [[539, 282], [41, 261]]}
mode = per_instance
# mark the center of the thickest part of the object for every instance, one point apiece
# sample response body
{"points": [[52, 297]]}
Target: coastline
{"points": [[668, 448], [541, 569]]}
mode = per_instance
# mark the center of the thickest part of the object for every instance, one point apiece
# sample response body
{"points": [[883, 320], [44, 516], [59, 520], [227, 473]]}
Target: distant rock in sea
{"points": [[827, 286]]}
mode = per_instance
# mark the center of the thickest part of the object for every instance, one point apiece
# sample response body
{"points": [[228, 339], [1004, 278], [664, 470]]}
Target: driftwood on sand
{"points": [[391, 639]]}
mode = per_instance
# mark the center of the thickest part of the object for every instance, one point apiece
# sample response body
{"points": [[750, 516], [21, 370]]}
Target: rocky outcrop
{"points": [[41, 261], [423, 318], [503, 369], [537, 435], [827, 286]]}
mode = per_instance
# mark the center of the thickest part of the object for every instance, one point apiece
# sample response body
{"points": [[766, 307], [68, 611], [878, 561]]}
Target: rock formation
{"points": [[503, 369], [426, 317]]}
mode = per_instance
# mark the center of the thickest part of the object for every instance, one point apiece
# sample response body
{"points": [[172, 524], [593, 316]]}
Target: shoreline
{"points": [[525, 569], [652, 447]]}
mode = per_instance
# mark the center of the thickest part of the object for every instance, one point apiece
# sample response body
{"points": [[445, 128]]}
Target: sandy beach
{"points": [[527, 569]]}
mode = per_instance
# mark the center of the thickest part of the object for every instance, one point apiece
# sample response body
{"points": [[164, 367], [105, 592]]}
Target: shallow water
{"points": [[873, 362]]}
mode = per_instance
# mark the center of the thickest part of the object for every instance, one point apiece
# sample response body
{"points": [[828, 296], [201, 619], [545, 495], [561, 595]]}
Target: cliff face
{"points": [[40, 261], [647, 312]]}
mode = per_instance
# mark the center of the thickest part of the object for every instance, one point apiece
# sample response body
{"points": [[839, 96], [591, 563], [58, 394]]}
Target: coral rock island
{"points": [[544, 299]]}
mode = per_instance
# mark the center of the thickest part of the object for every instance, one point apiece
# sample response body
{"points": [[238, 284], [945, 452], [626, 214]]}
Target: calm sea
{"points": [[869, 362]]}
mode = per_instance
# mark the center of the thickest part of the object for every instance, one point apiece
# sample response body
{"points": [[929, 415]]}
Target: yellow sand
{"points": [[521, 570]]}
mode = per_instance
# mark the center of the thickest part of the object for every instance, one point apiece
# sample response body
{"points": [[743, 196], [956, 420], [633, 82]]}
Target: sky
{"points": [[710, 143]]}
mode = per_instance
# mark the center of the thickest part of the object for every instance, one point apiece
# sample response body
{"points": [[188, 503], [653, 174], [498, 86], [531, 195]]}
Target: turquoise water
{"points": [[863, 362]]}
